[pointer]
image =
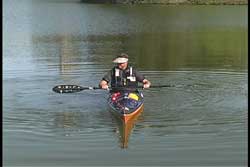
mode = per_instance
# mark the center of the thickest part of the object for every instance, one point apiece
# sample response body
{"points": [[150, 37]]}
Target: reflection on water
{"points": [[217, 50], [124, 130], [68, 121]]}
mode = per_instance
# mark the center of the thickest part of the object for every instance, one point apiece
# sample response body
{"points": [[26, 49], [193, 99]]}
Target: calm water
{"points": [[202, 50]]}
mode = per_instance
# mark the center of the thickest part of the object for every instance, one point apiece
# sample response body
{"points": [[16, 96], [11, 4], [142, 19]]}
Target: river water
{"points": [[201, 50]]}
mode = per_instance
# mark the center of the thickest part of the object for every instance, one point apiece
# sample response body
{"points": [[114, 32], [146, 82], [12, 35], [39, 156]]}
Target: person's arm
{"points": [[105, 80], [142, 79]]}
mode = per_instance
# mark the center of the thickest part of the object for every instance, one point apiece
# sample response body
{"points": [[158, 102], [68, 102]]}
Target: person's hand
{"points": [[105, 87], [146, 86]]}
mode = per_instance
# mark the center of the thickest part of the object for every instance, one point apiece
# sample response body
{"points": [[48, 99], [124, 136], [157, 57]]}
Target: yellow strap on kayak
{"points": [[133, 96]]}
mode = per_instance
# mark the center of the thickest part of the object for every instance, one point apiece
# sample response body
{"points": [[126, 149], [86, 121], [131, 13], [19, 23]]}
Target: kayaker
{"points": [[123, 75]]}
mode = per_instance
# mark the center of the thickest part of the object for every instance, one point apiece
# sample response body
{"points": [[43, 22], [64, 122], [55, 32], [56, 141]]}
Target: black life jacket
{"points": [[123, 78]]}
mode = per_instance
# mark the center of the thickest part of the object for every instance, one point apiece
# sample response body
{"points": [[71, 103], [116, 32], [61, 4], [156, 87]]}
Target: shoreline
{"points": [[172, 2]]}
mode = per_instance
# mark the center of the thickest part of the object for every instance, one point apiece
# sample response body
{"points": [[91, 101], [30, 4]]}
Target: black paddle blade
{"points": [[71, 88], [67, 88]]}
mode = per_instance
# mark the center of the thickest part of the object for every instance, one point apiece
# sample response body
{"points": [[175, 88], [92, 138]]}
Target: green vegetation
{"points": [[195, 2]]}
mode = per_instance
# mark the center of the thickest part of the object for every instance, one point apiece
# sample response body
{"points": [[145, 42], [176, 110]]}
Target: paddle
{"points": [[76, 88], [71, 88], [160, 86]]}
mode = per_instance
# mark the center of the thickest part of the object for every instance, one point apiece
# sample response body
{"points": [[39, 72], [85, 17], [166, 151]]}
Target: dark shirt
{"points": [[139, 77]]}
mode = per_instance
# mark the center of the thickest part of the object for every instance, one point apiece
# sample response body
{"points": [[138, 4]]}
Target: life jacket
{"points": [[123, 78]]}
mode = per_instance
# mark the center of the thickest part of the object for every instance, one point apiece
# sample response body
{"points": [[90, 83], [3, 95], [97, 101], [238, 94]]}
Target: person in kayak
{"points": [[123, 75]]}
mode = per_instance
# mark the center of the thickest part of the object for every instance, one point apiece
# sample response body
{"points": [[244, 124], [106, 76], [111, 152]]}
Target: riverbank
{"points": [[172, 2]]}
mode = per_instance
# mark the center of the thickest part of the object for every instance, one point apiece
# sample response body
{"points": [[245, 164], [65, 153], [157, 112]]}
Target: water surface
{"points": [[201, 50]]}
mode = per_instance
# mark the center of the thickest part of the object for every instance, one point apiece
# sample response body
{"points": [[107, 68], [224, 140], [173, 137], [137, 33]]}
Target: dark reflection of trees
{"points": [[155, 37], [73, 52], [99, 1], [203, 50], [149, 51]]}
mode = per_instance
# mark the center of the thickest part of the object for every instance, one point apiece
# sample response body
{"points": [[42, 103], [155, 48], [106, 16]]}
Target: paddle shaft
{"points": [[76, 88]]}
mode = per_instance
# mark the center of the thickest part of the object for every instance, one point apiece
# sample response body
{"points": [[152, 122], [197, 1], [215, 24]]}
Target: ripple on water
{"points": [[200, 102]]}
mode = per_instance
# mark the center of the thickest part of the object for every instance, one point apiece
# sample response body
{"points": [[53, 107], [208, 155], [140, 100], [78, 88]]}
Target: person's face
{"points": [[122, 66]]}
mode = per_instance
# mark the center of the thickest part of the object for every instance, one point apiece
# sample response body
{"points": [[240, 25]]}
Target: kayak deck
{"points": [[126, 105]]}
